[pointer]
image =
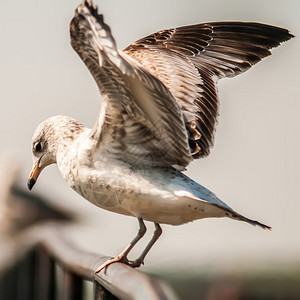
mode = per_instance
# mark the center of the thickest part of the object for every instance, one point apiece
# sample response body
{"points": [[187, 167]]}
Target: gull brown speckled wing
{"points": [[189, 60], [139, 121]]}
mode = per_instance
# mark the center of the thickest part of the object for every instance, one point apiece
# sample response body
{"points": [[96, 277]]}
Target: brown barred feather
{"points": [[206, 52]]}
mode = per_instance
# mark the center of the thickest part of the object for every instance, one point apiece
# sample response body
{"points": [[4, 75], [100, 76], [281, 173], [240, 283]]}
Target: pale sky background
{"points": [[254, 166]]}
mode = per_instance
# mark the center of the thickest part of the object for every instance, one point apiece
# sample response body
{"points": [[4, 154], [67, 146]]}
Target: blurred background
{"points": [[254, 166]]}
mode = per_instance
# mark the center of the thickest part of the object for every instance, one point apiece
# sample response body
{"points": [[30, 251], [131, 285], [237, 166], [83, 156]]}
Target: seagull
{"points": [[159, 108]]}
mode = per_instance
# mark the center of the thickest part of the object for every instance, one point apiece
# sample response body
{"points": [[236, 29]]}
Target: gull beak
{"points": [[34, 174]]}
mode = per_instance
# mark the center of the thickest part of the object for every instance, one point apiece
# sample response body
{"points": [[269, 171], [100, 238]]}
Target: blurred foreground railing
{"points": [[42, 265]]}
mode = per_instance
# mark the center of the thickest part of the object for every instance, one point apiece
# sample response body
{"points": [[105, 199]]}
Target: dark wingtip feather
{"points": [[256, 223], [252, 222], [93, 10], [272, 36]]}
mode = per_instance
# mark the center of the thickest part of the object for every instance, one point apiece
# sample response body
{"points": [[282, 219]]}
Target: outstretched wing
{"points": [[189, 60], [139, 120]]}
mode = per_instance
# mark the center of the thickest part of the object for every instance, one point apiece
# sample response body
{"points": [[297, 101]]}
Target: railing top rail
{"points": [[121, 280]]}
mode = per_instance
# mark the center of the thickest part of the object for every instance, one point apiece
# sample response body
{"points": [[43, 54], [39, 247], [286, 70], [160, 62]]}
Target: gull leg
{"points": [[122, 257], [156, 235]]}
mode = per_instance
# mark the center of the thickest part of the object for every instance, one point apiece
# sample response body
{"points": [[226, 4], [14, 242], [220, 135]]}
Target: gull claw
{"points": [[122, 259]]}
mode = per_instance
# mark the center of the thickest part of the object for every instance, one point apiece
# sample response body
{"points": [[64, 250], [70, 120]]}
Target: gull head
{"points": [[50, 137]]}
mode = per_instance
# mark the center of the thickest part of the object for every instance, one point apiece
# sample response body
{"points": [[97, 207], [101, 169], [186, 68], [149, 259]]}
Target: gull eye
{"points": [[37, 147]]}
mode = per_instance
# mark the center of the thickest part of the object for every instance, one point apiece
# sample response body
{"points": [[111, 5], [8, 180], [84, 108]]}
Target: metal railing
{"points": [[42, 265]]}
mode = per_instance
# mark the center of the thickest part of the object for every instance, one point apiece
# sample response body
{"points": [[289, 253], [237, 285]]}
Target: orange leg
{"points": [[122, 257]]}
